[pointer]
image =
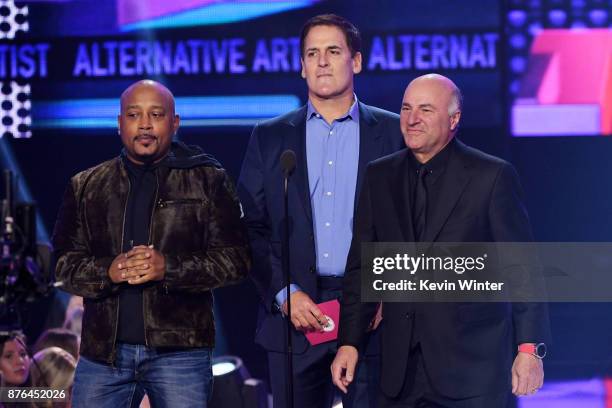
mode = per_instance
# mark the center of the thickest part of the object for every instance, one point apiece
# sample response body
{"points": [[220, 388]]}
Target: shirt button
{"points": [[327, 224], [331, 132], [330, 162], [326, 255], [328, 193]]}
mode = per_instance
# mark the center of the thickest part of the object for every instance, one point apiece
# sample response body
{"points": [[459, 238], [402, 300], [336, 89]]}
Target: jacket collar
{"points": [[181, 156]]}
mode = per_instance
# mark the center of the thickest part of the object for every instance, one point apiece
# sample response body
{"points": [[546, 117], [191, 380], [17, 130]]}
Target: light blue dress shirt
{"points": [[332, 154]]}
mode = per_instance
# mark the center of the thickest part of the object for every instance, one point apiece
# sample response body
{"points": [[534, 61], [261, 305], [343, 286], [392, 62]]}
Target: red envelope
{"points": [[331, 310]]}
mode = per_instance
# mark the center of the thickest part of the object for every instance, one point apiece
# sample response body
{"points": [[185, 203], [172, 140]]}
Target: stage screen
{"points": [[560, 67], [64, 63]]}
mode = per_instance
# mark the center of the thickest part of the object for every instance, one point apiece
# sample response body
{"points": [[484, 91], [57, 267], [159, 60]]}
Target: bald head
{"points": [[148, 84], [442, 84]]}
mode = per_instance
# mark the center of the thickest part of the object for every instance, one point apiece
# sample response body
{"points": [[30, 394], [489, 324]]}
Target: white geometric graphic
{"points": [[12, 19], [15, 99], [15, 108]]}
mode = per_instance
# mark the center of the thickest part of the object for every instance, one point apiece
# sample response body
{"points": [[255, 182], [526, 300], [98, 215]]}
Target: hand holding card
{"points": [[331, 310]]}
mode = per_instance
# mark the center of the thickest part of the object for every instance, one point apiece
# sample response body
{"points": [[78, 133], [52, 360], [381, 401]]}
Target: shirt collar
{"points": [[437, 163], [352, 114]]}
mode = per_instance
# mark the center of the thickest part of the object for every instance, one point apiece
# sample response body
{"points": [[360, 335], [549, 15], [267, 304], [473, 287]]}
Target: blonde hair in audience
{"points": [[54, 368]]}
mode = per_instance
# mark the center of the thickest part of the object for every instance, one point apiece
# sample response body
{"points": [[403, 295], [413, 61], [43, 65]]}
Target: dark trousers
{"points": [[417, 391], [312, 384]]}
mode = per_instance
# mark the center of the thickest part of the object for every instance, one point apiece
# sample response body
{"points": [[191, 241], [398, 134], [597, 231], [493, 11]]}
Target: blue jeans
{"points": [[173, 379]]}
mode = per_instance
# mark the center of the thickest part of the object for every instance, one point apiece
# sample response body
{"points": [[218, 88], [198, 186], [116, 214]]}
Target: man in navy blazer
{"points": [[334, 136]]}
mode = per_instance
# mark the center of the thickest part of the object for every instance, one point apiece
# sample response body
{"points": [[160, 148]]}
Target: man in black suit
{"points": [[440, 190], [334, 136]]}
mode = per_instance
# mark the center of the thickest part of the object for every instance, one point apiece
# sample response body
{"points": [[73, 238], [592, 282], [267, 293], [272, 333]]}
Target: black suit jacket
{"points": [[260, 188], [468, 348]]}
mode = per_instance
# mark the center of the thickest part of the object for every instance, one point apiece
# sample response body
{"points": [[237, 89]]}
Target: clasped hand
{"points": [[139, 265]]}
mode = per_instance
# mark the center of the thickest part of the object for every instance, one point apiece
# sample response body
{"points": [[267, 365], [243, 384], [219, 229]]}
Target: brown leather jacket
{"points": [[196, 224]]}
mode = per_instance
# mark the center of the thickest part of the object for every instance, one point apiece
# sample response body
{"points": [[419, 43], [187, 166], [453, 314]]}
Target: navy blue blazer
{"points": [[260, 188]]}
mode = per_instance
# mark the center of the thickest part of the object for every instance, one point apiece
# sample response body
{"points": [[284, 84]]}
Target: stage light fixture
{"points": [[233, 387]]}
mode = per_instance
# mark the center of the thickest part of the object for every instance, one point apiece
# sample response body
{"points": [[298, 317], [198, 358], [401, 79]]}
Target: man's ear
{"points": [[454, 120], [177, 123], [357, 60]]}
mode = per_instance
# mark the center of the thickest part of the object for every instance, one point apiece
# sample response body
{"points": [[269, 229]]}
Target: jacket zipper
{"points": [[114, 351], [144, 315]]}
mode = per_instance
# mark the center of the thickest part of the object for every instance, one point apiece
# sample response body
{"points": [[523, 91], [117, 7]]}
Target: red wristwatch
{"points": [[535, 349]]}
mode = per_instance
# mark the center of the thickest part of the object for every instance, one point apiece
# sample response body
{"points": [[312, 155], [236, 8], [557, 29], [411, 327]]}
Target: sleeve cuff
{"points": [[281, 296]]}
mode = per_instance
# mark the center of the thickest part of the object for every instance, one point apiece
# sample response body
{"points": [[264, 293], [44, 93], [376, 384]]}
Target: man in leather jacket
{"points": [[144, 238]]}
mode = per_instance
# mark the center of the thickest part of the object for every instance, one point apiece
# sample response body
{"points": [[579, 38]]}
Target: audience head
{"points": [[59, 337], [14, 358]]}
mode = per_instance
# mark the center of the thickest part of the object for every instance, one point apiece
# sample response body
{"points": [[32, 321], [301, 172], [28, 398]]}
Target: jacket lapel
{"points": [[370, 144], [296, 141], [399, 186], [453, 183]]}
